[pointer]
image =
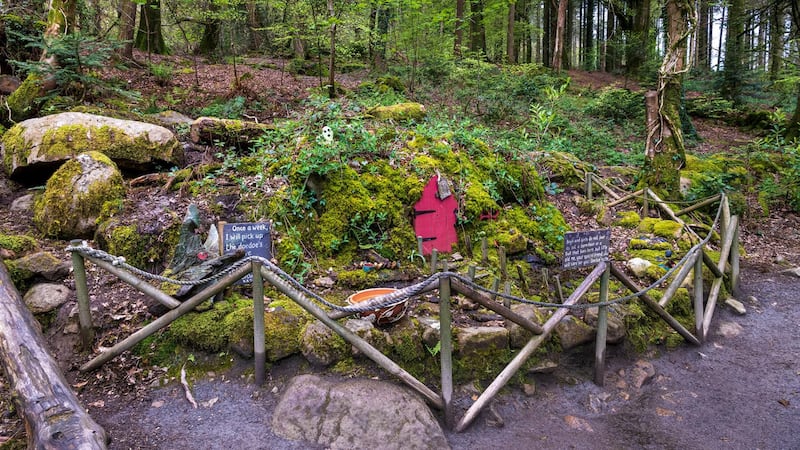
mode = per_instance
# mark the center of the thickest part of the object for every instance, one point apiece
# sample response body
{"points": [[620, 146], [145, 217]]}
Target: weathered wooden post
{"points": [[259, 346], [602, 332], [434, 261], [734, 259], [698, 297], [507, 291], [446, 350], [588, 176], [645, 206], [82, 292], [501, 255], [484, 250]]}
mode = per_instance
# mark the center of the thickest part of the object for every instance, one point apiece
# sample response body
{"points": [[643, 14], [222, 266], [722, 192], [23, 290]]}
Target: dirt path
{"points": [[740, 390]]}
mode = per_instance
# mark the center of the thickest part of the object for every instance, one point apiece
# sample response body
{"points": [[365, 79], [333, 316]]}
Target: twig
{"points": [[186, 388]]}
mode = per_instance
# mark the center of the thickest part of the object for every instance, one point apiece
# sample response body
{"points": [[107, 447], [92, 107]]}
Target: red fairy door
{"points": [[435, 220]]}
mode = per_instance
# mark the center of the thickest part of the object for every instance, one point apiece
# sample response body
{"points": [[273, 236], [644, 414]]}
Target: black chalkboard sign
{"points": [[586, 248], [253, 237]]}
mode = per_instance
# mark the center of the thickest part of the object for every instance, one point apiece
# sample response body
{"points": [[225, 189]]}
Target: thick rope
{"points": [[386, 300]]}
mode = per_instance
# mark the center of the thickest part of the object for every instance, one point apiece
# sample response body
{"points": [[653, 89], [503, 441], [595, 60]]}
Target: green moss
{"points": [[22, 103], [126, 241], [17, 243], [628, 219], [667, 229], [206, 330], [70, 140], [58, 213], [15, 148], [649, 244], [400, 111], [357, 279]]}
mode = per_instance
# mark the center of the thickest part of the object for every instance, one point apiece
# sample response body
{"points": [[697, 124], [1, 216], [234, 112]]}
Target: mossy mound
{"points": [[17, 243], [400, 111], [75, 195], [628, 219]]}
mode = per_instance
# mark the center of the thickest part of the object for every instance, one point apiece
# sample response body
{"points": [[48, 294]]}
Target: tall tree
{"points": [[589, 53], [477, 30], [459, 25], [665, 152], [558, 37], [511, 56], [60, 21], [733, 72], [702, 47], [793, 127], [127, 26], [149, 37], [776, 30]]}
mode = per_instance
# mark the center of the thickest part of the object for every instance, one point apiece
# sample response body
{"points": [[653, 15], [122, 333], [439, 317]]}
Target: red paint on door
{"points": [[435, 220]]}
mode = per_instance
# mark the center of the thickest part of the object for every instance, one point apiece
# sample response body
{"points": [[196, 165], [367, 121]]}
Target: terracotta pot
{"points": [[381, 316]]}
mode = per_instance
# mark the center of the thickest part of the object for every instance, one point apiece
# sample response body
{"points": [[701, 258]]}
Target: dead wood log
{"points": [[54, 417]]}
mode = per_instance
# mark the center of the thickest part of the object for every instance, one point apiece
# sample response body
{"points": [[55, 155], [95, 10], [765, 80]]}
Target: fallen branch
{"points": [[54, 418]]}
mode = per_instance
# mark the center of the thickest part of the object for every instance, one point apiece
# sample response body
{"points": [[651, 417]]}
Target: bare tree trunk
{"points": [[477, 30], [776, 17], [127, 26], [510, 48], [54, 418], [558, 46], [703, 54], [332, 61], [60, 21], [665, 152], [459, 35]]}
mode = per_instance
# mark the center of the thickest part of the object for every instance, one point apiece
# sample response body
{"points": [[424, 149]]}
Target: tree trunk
{"points": [[640, 36], [510, 48], [665, 153], [702, 57], [459, 34], [610, 45], [589, 53], [54, 418], [733, 72], [547, 33], [776, 17], [149, 37], [127, 26], [210, 40], [558, 41], [332, 61], [60, 21], [477, 31]]}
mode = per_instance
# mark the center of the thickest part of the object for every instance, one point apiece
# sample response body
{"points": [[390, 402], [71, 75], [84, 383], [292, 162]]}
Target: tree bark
{"points": [[776, 17], [477, 30], [558, 41], [54, 418], [459, 33], [332, 60], [149, 37], [60, 21], [127, 26], [702, 49], [511, 56], [733, 72], [665, 152]]}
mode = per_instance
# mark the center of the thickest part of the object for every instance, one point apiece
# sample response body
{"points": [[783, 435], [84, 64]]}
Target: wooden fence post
{"points": [[82, 292], [602, 332], [446, 350], [698, 297], [259, 345]]}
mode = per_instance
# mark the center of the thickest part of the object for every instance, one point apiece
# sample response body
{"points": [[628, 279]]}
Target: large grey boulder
{"points": [[34, 148], [45, 297], [74, 196], [355, 414]]}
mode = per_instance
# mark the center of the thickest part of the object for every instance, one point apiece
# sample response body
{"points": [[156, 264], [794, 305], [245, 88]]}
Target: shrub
{"points": [[618, 105]]}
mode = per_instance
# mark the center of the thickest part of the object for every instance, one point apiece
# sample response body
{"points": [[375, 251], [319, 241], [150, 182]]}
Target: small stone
{"points": [[639, 266], [324, 282], [45, 297], [793, 271], [780, 259], [752, 300], [577, 423], [544, 367], [455, 257], [729, 329], [641, 373], [736, 305], [529, 389]]}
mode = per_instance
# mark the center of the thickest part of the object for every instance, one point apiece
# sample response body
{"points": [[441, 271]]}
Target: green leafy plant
{"points": [[162, 72], [617, 105]]}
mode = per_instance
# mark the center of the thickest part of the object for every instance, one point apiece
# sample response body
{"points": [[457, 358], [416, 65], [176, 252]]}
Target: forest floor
{"points": [[739, 390]]}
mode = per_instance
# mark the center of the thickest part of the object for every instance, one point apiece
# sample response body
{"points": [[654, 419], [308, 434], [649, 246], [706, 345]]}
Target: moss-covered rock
{"points": [[17, 243], [74, 196], [400, 111], [33, 148], [238, 133], [321, 346], [284, 322], [628, 219], [664, 228]]}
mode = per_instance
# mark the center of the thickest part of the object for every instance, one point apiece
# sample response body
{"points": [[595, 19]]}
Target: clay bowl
{"points": [[381, 316]]}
